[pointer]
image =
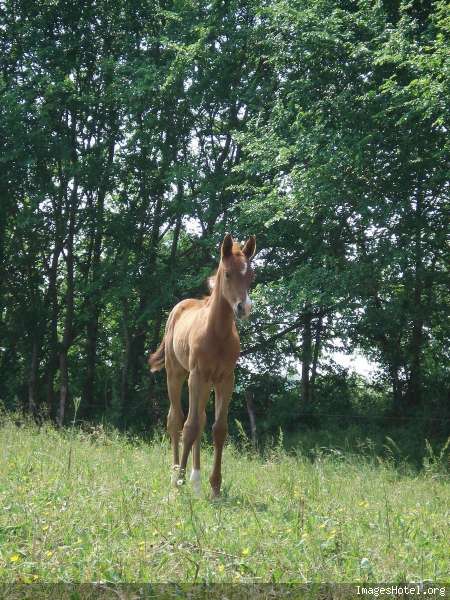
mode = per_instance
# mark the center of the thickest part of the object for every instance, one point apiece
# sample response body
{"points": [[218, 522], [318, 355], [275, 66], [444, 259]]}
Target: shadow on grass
{"points": [[231, 500]]}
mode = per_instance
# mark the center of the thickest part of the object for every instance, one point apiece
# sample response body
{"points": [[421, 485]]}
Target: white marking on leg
{"points": [[196, 481]]}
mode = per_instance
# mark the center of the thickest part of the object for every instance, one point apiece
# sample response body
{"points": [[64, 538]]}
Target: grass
{"points": [[96, 506]]}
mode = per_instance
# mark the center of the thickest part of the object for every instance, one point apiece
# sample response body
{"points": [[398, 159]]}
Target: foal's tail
{"points": [[157, 359]]}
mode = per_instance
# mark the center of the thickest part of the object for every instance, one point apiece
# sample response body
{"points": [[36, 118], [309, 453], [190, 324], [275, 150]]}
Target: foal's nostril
{"points": [[240, 308]]}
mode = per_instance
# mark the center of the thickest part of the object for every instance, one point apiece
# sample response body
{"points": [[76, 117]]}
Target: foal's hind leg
{"points": [[175, 418]]}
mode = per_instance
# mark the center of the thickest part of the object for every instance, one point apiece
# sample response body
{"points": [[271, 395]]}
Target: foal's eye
{"points": [[227, 275]]}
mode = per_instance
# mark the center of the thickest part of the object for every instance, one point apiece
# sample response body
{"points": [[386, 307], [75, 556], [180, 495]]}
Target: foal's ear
{"points": [[250, 247], [227, 246]]}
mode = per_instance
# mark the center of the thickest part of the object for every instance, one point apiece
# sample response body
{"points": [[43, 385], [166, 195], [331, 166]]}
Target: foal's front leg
{"points": [[199, 389], [224, 390]]}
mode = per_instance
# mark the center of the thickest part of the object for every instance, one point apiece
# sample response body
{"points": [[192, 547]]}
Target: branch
{"points": [[296, 325], [293, 327]]}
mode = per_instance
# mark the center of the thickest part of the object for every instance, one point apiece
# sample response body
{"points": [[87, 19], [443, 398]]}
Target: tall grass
{"points": [[97, 506]]}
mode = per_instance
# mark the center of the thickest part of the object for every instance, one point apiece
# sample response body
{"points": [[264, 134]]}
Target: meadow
{"points": [[94, 505]]}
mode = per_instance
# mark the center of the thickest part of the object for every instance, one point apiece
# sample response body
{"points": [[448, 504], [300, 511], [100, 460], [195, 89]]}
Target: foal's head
{"points": [[235, 274]]}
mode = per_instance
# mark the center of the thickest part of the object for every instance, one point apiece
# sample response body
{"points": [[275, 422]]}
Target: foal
{"points": [[201, 343]]}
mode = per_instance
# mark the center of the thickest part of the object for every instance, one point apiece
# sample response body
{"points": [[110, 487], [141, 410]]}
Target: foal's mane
{"points": [[211, 281]]}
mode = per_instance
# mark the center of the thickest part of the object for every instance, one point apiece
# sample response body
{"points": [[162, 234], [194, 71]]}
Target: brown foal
{"points": [[201, 343]]}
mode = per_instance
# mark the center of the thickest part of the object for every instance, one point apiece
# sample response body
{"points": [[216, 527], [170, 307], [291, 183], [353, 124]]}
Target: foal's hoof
{"points": [[216, 484], [178, 475], [215, 494]]}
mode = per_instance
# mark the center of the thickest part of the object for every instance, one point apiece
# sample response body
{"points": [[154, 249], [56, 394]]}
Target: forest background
{"points": [[135, 134]]}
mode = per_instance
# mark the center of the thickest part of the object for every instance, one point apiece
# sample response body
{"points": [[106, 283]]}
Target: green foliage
{"points": [[347, 178], [135, 135]]}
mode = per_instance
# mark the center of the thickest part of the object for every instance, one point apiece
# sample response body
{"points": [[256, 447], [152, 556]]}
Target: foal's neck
{"points": [[220, 318]]}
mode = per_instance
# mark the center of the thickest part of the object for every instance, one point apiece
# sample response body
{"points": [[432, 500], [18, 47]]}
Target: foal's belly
{"points": [[214, 359], [194, 348], [181, 348], [182, 334]]}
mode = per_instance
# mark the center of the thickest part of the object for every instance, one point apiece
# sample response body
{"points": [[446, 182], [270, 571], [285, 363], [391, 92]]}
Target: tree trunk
{"points": [[316, 354], [33, 378], [91, 362], [415, 377], [125, 373], [63, 386], [3, 221], [68, 321], [251, 415], [306, 358], [137, 342], [93, 306], [397, 395], [176, 237], [52, 302], [414, 392]]}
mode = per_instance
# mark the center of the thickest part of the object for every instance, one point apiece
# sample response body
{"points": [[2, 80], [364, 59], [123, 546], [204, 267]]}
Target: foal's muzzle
{"points": [[242, 309]]}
